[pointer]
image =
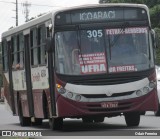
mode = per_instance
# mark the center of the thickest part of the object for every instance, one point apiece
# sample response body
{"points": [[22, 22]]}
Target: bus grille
{"points": [[105, 96], [106, 81]]}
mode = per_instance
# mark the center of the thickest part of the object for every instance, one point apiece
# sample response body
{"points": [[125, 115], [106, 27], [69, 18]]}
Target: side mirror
{"points": [[49, 45], [153, 35]]}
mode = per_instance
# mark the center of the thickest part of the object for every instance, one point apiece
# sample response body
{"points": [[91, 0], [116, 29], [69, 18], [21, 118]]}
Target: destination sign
{"points": [[133, 30], [100, 14], [96, 15]]}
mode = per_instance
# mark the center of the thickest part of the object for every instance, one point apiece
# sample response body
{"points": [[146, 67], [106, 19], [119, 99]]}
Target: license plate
{"points": [[109, 104]]}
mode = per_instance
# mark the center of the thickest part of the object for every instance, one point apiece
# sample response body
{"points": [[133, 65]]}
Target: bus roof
{"points": [[27, 25], [48, 16], [105, 5]]}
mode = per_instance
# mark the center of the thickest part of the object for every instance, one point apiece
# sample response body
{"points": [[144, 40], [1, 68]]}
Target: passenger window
{"points": [[14, 52], [37, 41], [41, 44], [43, 41], [34, 51], [21, 50], [4, 55], [17, 52]]}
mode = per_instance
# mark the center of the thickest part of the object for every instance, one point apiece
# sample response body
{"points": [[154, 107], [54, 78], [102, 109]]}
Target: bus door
{"points": [[27, 69], [11, 92]]}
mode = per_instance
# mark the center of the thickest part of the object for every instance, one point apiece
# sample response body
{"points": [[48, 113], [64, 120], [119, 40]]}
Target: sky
{"points": [[8, 14]]}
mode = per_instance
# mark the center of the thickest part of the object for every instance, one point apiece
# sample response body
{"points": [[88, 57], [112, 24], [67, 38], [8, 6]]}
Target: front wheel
{"points": [[87, 120], [38, 121], [99, 119], [132, 119], [157, 113], [56, 123], [143, 113]]}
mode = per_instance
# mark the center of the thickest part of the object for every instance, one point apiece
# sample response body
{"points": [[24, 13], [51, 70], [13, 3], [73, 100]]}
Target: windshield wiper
{"points": [[111, 44], [117, 37]]}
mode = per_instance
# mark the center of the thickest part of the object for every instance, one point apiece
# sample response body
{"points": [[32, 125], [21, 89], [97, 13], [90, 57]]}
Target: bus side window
{"points": [[41, 44], [37, 41], [4, 55], [39, 32], [43, 41], [13, 52], [34, 47], [18, 55], [21, 50]]}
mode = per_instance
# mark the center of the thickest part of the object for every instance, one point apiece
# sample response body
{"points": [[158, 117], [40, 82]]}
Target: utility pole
{"points": [[26, 5], [16, 12], [16, 3]]}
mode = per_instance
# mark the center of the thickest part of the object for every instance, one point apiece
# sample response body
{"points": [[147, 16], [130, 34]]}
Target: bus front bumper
{"points": [[68, 108]]}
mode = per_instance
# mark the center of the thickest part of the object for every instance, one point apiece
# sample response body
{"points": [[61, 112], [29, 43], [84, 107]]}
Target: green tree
{"points": [[157, 32], [149, 3], [154, 6], [104, 1], [155, 16]]}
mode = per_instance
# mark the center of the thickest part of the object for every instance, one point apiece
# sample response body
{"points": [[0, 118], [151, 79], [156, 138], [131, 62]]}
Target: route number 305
{"points": [[94, 33]]}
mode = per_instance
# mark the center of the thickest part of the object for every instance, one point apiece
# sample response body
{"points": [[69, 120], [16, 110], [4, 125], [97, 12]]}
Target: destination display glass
{"points": [[100, 15]]}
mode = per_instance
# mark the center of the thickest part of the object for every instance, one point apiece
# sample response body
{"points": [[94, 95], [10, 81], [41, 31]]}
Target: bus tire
{"points": [[157, 113], [56, 123], [24, 121], [38, 121], [143, 113], [132, 119], [87, 120], [99, 119]]}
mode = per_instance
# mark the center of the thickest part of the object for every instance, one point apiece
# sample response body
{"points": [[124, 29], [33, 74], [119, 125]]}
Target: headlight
{"points": [[151, 84], [60, 89], [78, 97], [139, 93], [69, 94], [145, 90]]}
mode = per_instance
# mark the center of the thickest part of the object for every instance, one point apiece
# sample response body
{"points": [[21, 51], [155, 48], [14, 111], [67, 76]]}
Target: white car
{"points": [[157, 113]]}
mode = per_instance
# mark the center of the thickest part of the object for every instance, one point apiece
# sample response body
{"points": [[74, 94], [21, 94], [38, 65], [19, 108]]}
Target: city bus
{"points": [[86, 62]]}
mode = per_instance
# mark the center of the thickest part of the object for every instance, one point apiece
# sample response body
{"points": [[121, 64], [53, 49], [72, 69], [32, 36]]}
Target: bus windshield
{"points": [[103, 51]]}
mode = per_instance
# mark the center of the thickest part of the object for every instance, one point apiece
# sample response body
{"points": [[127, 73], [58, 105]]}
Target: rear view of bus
{"points": [[104, 63]]}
